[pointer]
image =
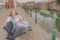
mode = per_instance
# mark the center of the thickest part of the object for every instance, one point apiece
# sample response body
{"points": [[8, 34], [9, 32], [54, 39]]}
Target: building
{"points": [[9, 4], [2, 4]]}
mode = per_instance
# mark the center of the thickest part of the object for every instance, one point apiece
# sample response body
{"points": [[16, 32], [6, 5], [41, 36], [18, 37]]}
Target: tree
{"points": [[58, 1]]}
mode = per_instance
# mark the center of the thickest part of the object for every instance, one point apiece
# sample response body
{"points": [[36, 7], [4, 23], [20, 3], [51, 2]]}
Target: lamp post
{"points": [[54, 27]]}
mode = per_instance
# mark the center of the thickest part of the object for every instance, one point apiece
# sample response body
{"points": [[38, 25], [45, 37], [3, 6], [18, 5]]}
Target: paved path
{"points": [[37, 33], [33, 35]]}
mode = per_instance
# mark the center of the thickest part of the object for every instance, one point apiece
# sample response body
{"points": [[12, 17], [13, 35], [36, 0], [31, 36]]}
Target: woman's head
{"points": [[13, 13]]}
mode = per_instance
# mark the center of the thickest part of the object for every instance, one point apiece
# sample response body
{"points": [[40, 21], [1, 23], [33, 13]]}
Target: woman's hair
{"points": [[11, 13]]}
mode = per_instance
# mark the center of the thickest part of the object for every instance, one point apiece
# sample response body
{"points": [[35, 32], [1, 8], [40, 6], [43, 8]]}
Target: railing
{"points": [[54, 17]]}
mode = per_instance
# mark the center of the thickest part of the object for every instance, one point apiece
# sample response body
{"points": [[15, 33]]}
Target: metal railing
{"points": [[54, 17]]}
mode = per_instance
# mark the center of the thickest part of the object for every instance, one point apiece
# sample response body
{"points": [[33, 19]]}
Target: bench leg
{"points": [[10, 38]]}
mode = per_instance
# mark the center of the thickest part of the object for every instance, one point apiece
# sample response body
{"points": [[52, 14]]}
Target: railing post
{"points": [[35, 16], [54, 27], [30, 13], [27, 10]]}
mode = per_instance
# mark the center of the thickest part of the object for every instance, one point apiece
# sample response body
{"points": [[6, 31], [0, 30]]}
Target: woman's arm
{"points": [[4, 23], [7, 20], [21, 18]]}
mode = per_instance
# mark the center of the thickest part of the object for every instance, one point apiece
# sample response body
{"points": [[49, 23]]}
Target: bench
{"points": [[12, 34]]}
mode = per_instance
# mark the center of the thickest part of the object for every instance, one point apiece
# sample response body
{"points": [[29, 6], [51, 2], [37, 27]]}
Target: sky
{"points": [[23, 1], [31, 0]]}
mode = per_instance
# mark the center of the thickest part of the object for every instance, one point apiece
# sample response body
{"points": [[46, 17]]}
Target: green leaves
{"points": [[58, 1], [45, 13]]}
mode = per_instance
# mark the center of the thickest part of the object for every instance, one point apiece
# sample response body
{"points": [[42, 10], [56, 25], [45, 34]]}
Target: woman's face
{"points": [[13, 13]]}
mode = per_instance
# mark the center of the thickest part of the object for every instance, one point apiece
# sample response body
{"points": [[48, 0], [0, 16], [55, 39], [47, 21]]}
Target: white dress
{"points": [[17, 22]]}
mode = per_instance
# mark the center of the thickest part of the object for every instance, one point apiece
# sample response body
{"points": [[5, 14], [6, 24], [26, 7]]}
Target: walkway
{"points": [[37, 33], [33, 35]]}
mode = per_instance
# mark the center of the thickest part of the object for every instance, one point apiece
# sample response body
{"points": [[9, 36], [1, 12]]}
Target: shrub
{"points": [[58, 1], [45, 13]]}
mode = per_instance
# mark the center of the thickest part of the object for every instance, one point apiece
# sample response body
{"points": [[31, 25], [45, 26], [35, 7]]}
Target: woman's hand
{"points": [[21, 20], [4, 24]]}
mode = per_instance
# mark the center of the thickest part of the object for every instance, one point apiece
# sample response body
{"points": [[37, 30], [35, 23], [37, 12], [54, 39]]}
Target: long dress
{"points": [[17, 24]]}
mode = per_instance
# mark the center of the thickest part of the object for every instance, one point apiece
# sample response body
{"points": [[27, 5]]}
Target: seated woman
{"points": [[17, 21]]}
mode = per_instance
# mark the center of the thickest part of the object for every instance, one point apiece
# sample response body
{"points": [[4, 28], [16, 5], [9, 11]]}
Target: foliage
{"points": [[44, 13], [58, 1]]}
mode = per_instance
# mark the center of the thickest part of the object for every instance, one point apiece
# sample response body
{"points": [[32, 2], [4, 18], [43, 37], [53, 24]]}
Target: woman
{"points": [[17, 21]]}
